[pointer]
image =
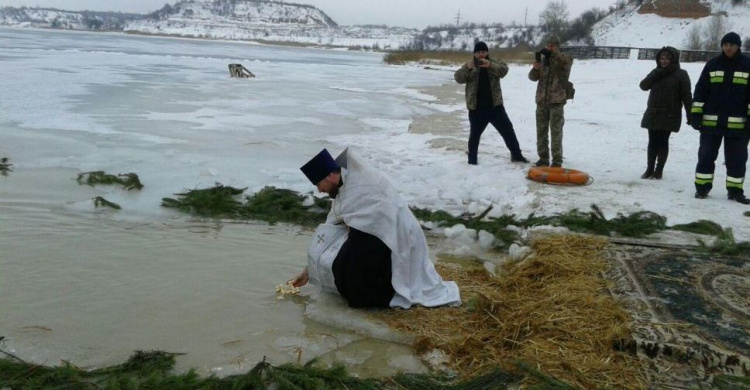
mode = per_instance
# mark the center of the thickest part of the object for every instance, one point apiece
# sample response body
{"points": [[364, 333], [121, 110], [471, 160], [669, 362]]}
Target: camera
{"points": [[477, 62]]}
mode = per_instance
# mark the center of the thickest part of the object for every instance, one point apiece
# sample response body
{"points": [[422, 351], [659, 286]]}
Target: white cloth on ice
{"points": [[370, 203]]}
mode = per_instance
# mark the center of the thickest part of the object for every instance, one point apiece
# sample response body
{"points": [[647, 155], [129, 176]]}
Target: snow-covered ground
{"points": [[74, 275], [166, 110]]}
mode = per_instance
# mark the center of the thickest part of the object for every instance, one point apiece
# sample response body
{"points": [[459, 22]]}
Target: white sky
{"points": [[405, 13]]}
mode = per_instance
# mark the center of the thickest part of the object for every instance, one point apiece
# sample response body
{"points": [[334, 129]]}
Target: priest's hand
{"points": [[301, 279]]}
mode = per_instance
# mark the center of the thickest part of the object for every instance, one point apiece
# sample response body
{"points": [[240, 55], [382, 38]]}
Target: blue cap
{"points": [[319, 167]]}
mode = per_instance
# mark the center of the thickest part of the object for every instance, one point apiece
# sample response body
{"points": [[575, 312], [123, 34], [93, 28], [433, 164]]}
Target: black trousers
{"points": [[480, 118], [735, 156], [658, 139], [362, 271]]}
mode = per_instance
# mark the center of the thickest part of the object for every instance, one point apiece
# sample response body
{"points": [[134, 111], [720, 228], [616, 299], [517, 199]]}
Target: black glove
{"points": [[546, 52], [694, 120]]}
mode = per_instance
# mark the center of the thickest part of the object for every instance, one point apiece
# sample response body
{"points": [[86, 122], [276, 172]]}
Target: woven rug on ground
{"points": [[691, 312]]}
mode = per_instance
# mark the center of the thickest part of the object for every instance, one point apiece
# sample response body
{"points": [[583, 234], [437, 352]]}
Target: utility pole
{"points": [[458, 18], [525, 15]]}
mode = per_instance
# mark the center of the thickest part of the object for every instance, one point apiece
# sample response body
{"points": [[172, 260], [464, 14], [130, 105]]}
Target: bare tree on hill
{"points": [[580, 27], [695, 38], [709, 37], [554, 18], [717, 27]]}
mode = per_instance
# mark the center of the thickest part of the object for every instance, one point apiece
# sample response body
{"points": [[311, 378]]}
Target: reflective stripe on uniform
{"points": [[748, 110], [740, 78], [704, 178], [734, 122], [710, 120], [698, 108], [717, 76], [739, 180], [735, 182]]}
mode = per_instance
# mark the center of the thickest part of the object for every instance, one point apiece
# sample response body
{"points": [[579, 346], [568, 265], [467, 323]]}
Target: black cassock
{"points": [[362, 271]]}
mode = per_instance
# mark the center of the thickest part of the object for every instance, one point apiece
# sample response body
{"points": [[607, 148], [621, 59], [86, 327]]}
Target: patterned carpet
{"points": [[691, 312]]}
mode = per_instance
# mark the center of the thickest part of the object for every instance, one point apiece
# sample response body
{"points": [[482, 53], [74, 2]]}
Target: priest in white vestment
{"points": [[371, 249]]}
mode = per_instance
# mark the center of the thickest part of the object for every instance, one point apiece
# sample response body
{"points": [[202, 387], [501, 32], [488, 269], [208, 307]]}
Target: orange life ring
{"points": [[555, 175]]}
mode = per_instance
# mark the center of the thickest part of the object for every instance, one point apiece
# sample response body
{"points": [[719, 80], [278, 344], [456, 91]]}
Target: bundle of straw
{"points": [[551, 311]]}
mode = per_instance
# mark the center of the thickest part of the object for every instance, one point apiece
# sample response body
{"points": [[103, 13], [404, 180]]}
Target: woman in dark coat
{"points": [[670, 93]]}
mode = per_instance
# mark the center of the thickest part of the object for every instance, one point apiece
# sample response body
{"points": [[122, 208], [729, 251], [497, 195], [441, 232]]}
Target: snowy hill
{"points": [[658, 23], [68, 20], [246, 13], [464, 37], [264, 20]]}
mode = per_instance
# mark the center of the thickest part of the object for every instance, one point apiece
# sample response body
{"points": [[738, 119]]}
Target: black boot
{"points": [[738, 196], [650, 164], [662, 157]]}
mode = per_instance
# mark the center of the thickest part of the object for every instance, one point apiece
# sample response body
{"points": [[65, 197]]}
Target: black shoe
{"points": [[648, 174], [519, 159], [701, 195], [738, 198], [541, 163], [657, 175], [556, 165]]}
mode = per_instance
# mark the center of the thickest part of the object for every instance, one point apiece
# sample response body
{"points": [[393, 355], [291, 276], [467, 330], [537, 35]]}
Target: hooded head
{"points": [[673, 53], [319, 167], [480, 46]]}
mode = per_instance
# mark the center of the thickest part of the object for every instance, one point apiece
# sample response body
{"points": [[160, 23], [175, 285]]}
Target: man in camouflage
{"points": [[551, 75], [484, 99]]}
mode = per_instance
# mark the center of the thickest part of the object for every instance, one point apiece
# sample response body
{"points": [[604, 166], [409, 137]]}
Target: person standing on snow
{"points": [[670, 92], [551, 76], [484, 99], [720, 111], [371, 250]]}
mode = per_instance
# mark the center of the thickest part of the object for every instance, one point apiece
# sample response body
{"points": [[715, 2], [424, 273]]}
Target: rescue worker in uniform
{"points": [[720, 110]]}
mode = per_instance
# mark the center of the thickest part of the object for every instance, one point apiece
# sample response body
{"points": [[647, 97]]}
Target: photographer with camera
{"points": [[551, 71], [484, 100]]}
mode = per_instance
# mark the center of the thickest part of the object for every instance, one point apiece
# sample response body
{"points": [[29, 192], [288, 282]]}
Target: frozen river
{"points": [[91, 285]]}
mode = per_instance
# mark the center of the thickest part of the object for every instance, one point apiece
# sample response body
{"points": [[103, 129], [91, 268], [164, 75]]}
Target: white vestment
{"points": [[369, 203]]}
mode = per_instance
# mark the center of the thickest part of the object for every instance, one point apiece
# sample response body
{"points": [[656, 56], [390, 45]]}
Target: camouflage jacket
{"points": [[551, 79], [470, 77]]}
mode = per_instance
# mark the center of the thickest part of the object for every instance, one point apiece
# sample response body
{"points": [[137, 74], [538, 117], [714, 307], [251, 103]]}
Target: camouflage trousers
{"points": [[550, 119]]}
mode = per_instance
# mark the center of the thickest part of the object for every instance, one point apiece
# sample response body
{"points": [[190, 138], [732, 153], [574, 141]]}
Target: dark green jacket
{"points": [[470, 77]]}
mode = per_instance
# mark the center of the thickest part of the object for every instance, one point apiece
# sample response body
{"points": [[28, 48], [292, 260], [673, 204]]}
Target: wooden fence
{"points": [[597, 52], [621, 53], [685, 55]]}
